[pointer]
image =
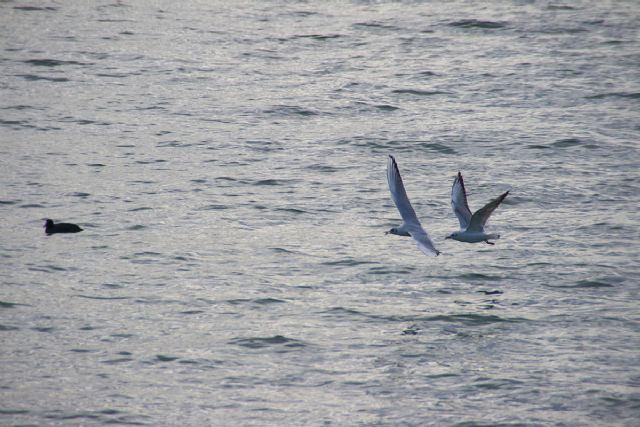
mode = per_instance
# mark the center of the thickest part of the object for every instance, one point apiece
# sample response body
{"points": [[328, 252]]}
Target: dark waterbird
{"points": [[62, 227]]}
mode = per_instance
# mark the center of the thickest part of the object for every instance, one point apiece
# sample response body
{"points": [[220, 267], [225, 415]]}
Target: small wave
{"points": [[262, 342], [472, 319], [445, 375], [428, 73], [13, 411], [136, 227], [51, 62], [4, 304], [493, 292], [10, 123], [479, 276], [147, 253], [263, 146], [475, 23], [113, 75], [43, 329], [537, 147], [142, 182], [149, 162], [48, 268], [20, 107], [386, 107], [273, 182], [568, 142], [320, 37], [364, 106], [34, 77], [282, 251], [629, 95], [439, 148], [99, 297], [419, 92], [497, 384], [116, 361], [263, 301], [375, 25], [214, 207], [584, 284], [322, 168], [36, 8], [290, 110], [259, 301], [560, 7], [383, 270], [342, 312], [563, 30], [292, 210], [163, 358], [80, 194], [347, 262]]}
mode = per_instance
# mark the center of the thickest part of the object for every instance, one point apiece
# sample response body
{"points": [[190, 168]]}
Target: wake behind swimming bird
{"points": [[62, 227], [411, 226], [471, 226]]}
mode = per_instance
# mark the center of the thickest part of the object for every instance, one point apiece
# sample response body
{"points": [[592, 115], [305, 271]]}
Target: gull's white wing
{"points": [[423, 241], [479, 219], [459, 202], [399, 194], [400, 198]]}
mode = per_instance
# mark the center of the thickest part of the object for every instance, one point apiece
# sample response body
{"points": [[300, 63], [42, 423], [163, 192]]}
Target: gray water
{"points": [[227, 163]]}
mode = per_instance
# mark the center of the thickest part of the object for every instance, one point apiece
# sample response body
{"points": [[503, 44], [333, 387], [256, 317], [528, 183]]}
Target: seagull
{"points": [[471, 226], [62, 227], [411, 226]]}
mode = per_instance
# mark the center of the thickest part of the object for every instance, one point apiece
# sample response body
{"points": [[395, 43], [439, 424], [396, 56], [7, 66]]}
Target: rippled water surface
{"points": [[227, 163]]}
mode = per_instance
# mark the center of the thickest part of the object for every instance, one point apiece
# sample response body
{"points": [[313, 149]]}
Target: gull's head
{"points": [[452, 236], [48, 223], [394, 230]]}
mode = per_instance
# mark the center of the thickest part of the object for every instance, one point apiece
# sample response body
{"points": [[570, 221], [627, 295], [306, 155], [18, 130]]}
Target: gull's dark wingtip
{"points": [[394, 164]]}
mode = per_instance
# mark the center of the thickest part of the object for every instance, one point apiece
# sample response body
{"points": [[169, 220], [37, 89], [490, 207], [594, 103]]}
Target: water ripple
{"points": [[279, 342]]}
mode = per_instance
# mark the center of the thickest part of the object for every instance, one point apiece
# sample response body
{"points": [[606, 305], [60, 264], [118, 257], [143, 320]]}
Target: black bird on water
{"points": [[63, 227]]}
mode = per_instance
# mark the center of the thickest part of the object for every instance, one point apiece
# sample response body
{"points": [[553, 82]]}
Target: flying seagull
{"points": [[411, 226], [471, 226], [62, 227]]}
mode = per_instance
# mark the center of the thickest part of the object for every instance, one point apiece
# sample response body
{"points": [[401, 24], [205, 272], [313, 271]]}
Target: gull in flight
{"points": [[411, 226], [471, 226]]}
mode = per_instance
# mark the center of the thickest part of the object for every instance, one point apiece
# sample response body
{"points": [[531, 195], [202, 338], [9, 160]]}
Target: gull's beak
{"points": [[386, 232], [447, 237]]}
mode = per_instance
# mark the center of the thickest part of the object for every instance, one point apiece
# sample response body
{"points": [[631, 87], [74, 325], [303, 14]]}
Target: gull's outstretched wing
{"points": [[479, 219], [399, 194], [400, 198], [423, 241], [459, 202]]}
